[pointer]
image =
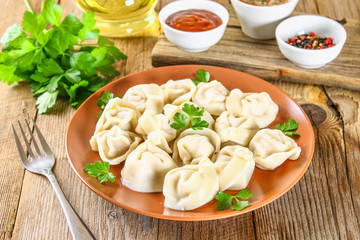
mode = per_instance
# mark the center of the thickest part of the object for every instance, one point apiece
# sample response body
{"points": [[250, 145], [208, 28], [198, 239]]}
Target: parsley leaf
{"points": [[7, 74], [179, 121], [83, 61], [239, 205], [33, 23], [202, 76], [87, 32], [245, 194], [46, 100], [198, 124], [289, 128], [12, 33], [224, 200], [191, 118], [100, 170], [53, 58], [52, 12], [193, 111], [71, 24], [104, 99]]}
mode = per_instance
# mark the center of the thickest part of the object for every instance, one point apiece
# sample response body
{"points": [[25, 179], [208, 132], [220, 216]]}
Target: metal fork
{"points": [[42, 164]]}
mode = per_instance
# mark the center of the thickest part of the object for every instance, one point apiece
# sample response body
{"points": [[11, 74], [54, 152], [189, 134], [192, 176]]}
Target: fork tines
{"points": [[45, 146]]}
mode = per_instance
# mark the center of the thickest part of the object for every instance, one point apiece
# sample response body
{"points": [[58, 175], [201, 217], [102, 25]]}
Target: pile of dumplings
{"points": [[190, 166]]}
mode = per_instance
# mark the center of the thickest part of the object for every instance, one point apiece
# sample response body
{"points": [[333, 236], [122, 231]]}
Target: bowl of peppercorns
{"points": [[310, 41]]}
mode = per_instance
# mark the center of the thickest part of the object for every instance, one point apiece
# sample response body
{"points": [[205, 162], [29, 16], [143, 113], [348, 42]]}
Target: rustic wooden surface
{"points": [[324, 204], [263, 58]]}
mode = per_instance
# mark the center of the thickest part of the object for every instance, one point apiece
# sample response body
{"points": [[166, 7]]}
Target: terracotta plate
{"points": [[266, 185]]}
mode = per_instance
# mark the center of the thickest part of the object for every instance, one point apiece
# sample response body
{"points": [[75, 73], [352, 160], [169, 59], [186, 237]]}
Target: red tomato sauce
{"points": [[193, 20]]}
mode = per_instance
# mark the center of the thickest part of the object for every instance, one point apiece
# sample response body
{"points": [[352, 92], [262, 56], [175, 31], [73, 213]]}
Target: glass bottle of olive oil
{"points": [[120, 18]]}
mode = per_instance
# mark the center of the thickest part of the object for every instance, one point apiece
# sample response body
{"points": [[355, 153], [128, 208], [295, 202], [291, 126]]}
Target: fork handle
{"points": [[78, 229]]}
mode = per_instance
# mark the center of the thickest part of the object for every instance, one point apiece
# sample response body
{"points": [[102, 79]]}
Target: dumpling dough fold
{"points": [[146, 167], [211, 95], [235, 166], [271, 147], [118, 112], [158, 139], [258, 106], [179, 91], [150, 122], [114, 145], [235, 129], [190, 186], [146, 97], [192, 144]]}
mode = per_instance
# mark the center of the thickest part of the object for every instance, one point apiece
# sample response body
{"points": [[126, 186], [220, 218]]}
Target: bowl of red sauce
{"points": [[194, 25]]}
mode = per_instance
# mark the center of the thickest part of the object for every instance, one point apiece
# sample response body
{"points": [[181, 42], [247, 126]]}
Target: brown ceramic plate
{"points": [[266, 185]]}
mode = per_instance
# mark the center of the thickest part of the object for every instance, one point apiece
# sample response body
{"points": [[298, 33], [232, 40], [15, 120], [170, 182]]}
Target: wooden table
{"points": [[324, 204]]}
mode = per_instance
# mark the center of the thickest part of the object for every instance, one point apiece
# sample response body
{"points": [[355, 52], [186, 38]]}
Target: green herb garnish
{"points": [[51, 55], [202, 76], [224, 200], [191, 118], [103, 100], [289, 128], [100, 170]]}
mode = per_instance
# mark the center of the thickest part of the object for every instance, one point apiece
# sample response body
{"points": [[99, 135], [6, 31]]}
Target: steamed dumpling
{"points": [[146, 167], [190, 186], [235, 129], [146, 97], [179, 91], [192, 144], [114, 145], [211, 95], [258, 106], [118, 112], [271, 147], [158, 139], [170, 110], [235, 166], [150, 122]]}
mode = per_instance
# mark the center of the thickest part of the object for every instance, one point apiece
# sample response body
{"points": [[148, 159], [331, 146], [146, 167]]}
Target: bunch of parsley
{"points": [[51, 55]]}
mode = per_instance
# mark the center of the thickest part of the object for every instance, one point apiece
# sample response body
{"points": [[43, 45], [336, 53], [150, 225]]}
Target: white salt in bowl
{"points": [[260, 22], [321, 26], [194, 41]]}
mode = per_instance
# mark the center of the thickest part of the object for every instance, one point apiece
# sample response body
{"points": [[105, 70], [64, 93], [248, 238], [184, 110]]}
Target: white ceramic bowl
{"points": [[194, 41], [260, 22], [322, 26]]}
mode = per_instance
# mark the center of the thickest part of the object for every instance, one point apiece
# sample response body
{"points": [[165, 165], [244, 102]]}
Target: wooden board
{"points": [[263, 58], [325, 204]]}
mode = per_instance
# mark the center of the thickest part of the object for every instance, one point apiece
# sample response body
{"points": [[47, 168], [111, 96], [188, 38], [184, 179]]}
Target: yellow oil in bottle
{"points": [[120, 18]]}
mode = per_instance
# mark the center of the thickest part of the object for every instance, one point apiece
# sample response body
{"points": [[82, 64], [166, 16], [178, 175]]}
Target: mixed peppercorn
{"points": [[311, 41]]}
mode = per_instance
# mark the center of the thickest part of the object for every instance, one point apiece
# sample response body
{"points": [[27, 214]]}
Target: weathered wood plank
{"points": [[324, 197], [17, 99], [347, 103], [307, 6], [240, 227], [323, 205], [14, 100], [341, 9], [263, 59], [115, 222]]}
